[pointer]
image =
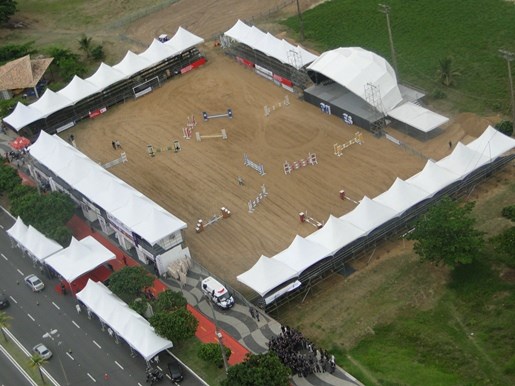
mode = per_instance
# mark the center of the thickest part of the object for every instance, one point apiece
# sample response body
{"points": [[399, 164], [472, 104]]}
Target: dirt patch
{"points": [[508, 275]]}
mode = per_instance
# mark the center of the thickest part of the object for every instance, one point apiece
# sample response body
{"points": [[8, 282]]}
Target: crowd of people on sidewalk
{"points": [[299, 354]]}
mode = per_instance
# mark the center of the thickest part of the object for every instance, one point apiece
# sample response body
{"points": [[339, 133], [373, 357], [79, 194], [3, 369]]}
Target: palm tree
{"points": [[4, 323], [85, 45], [37, 360], [446, 73]]}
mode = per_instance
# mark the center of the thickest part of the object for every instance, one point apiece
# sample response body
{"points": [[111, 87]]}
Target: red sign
{"points": [[96, 113], [284, 81], [245, 62]]}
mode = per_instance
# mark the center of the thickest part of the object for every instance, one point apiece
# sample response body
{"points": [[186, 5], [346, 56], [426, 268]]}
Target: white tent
{"points": [[22, 116], [335, 234], [155, 224], [239, 31], [79, 258], [354, 68], [418, 117], [433, 178], [114, 194], [266, 274], [18, 230], [106, 76], [51, 102], [302, 254], [78, 89], [369, 214], [492, 143], [76, 170], [463, 160], [402, 196], [157, 52], [183, 40], [124, 321], [132, 64]]}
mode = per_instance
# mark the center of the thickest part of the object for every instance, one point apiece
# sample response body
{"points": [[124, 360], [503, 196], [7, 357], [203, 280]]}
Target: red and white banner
{"points": [[282, 80], [245, 62], [96, 113]]}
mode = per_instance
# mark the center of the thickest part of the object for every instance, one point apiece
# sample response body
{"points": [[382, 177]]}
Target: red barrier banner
{"points": [[198, 63], [284, 81], [96, 113], [247, 63], [186, 69]]}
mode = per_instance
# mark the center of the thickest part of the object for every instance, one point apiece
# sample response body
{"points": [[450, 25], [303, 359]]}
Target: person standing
{"points": [[113, 143]]}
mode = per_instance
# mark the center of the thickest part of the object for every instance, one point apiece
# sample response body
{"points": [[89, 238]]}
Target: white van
{"points": [[217, 293]]}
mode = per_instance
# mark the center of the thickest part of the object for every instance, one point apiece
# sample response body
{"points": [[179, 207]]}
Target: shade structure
{"points": [[266, 275], [78, 89], [368, 215], [22, 116], [335, 234], [433, 178], [183, 40], [492, 143], [79, 258], [132, 63], [401, 196], [418, 117], [125, 322], [302, 253], [106, 76], [20, 143], [50, 102], [463, 160]]}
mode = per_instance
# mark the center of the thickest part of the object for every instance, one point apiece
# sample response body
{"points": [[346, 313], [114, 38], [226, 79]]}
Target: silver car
{"points": [[42, 351], [34, 283]]}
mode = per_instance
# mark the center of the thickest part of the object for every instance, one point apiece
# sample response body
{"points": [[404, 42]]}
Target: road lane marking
{"points": [[5, 257], [13, 299], [56, 306], [70, 356], [1, 226], [119, 365], [20, 272], [76, 325], [30, 316], [100, 347], [93, 379]]}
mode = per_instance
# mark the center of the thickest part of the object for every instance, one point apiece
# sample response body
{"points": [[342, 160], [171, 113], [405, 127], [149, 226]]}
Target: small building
{"points": [[23, 73]]}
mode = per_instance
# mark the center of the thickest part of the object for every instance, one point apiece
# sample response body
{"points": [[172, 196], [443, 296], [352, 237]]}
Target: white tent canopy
{"points": [[266, 274], [157, 52], [78, 89], [302, 254], [492, 143], [335, 234], [51, 102], [369, 214], [433, 178], [354, 68], [463, 160], [184, 40], [22, 116], [402, 196], [34, 242], [79, 258], [418, 117], [127, 323], [106, 76], [132, 63]]}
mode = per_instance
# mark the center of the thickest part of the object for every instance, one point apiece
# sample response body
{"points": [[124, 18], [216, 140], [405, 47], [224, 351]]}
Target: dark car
{"points": [[175, 370], [4, 302]]}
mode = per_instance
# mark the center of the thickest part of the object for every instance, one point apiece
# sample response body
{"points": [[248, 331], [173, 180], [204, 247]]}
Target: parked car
{"points": [[217, 293], [175, 370], [42, 351], [4, 301], [34, 283]]}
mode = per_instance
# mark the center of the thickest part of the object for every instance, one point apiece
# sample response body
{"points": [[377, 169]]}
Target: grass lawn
{"points": [[424, 32]]}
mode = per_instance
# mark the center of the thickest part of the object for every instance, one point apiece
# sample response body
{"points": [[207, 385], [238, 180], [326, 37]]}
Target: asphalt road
{"points": [[83, 353], [10, 374]]}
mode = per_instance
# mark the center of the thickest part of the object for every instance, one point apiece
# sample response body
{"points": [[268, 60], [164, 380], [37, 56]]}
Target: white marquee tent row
{"points": [[79, 89], [125, 322], [129, 212], [276, 48], [268, 275]]}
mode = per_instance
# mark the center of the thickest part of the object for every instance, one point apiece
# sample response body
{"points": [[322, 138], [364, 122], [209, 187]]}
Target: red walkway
{"points": [[206, 328]]}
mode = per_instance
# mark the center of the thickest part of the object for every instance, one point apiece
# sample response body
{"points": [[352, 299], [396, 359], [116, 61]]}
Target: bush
{"points": [[210, 352], [509, 212], [505, 127]]}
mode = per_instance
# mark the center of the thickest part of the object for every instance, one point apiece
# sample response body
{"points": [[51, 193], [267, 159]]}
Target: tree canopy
{"points": [[7, 9], [210, 352], [129, 282], [446, 234], [169, 301], [9, 178], [258, 370], [175, 326]]}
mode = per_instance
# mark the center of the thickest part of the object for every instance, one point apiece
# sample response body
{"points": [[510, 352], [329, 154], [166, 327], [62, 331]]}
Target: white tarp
{"points": [[266, 274], [335, 234], [463, 160], [106, 76], [22, 116], [33, 241], [124, 321], [418, 117], [132, 64], [78, 89], [492, 143], [402, 196], [368, 215], [302, 254], [354, 68], [433, 178], [79, 258]]}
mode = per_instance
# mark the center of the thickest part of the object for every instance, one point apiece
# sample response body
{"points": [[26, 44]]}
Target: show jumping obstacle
{"points": [[222, 135], [122, 159], [254, 203], [190, 125], [296, 165], [257, 167], [303, 217], [343, 196], [225, 213], [284, 102], [153, 151], [358, 138], [206, 116]]}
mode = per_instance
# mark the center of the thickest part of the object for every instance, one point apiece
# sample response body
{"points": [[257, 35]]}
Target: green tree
{"points": [[4, 323], [504, 245], [97, 53], [169, 301], [175, 326], [509, 212], [210, 352], [9, 178], [446, 73], [258, 370], [85, 45], [505, 127], [21, 190], [66, 63], [14, 51], [37, 361], [129, 282], [7, 9], [446, 234]]}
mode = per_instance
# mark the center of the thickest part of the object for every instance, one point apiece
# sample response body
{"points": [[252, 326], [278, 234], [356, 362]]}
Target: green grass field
{"points": [[424, 32]]}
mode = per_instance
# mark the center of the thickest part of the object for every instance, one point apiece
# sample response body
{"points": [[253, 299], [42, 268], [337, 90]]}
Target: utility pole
{"points": [[383, 8], [509, 57], [301, 22], [218, 335]]}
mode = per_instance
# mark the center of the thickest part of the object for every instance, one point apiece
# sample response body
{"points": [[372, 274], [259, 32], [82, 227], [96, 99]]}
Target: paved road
{"points": [[10, 375], [83, 353]]}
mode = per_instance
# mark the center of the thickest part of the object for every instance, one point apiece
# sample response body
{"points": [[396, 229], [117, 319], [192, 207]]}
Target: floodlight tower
{"points": [[509, 57], [383, 8], [300, 21]]}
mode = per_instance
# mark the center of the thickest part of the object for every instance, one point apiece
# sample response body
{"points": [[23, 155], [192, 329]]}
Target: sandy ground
{"points": [[196, 182]]}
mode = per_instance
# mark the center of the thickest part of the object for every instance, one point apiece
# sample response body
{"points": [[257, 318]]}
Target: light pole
{"points": [[386, 10], [218, 335], [50, 335], [510, 56], [301, 22]]}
